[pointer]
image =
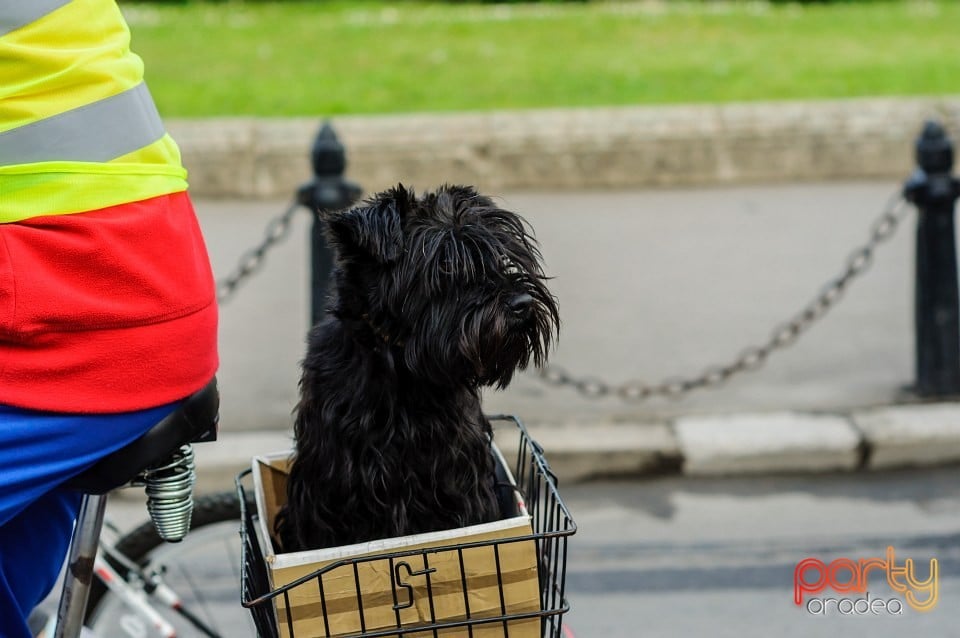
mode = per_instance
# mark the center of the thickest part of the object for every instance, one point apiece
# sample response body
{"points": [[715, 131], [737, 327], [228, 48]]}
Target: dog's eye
{"points": [[509, 268]]}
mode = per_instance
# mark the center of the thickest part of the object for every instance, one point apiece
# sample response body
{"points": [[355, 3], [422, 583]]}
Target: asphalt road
{"points": [[652, 285], [715, 558]]}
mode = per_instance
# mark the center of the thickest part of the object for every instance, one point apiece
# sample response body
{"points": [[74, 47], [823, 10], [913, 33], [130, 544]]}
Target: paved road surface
{"points": [[715, 558]]}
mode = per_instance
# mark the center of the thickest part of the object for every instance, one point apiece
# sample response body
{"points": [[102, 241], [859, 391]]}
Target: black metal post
{"points": [[934, 191], [328, 191]]}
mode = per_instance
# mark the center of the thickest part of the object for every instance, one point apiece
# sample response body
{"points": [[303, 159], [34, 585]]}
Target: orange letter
{"points": [[868, 564], [854, 584], [929, 586], [893, 572], [800, 585]]}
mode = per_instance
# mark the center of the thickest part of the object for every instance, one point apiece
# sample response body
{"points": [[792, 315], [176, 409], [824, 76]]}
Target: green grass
{"points": [[324, 58]]}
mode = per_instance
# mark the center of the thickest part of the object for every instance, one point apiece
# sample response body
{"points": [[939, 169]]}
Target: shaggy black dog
{"points": [[436, 297]]}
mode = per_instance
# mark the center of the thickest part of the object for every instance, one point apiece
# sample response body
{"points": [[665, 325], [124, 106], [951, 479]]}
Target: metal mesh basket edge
{"points": [[551, 524]]}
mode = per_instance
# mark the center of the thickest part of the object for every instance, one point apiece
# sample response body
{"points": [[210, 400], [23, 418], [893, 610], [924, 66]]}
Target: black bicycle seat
{"points": [[194, 421]]}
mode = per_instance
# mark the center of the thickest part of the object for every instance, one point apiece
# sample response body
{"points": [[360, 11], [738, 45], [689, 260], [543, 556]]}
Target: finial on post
{"points": [[328, 190]]}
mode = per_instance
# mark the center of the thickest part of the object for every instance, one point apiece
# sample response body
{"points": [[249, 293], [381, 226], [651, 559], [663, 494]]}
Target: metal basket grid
{"points": [[551, 522]]}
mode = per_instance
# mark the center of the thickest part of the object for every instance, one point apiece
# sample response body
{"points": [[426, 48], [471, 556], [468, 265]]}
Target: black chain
{"points": [[251, 261], [753, 357]]}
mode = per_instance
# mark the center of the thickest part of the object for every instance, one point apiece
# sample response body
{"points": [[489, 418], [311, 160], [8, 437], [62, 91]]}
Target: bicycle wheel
{"points": [[203, 569]]}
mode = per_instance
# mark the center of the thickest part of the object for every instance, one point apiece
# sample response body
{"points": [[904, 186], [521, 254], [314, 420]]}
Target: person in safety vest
{"points": [[108, 316]]}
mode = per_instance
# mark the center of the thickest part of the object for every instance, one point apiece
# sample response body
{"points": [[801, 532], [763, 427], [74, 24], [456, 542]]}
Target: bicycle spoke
{"points": [[196, 622], [198, 596]]}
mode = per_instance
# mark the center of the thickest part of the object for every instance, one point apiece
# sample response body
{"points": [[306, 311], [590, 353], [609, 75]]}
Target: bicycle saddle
{"points": [[194, 421]]}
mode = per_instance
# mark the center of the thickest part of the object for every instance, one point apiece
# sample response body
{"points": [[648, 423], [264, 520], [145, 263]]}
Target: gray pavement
{"points": [[706, 557], [652, 285]]}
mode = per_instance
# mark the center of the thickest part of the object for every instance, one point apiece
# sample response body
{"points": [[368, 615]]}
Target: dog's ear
{"points": [[374, 228]]}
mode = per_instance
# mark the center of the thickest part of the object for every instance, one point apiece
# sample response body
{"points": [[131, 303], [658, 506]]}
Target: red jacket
{"points": [[106, 311]]}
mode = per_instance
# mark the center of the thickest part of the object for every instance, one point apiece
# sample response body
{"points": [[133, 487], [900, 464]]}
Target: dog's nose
{"points": [[520, 304]]}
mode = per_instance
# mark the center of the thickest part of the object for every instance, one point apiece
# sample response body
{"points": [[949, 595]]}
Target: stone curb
{"points": [[765, 443], [570, 148], [718, 445]]}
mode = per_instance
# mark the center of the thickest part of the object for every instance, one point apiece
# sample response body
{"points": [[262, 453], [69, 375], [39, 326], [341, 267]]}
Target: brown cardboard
{"points": [[517, 560]]}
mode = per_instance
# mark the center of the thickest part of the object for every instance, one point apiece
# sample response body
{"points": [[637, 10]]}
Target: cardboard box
{"points": [[401, 590]]}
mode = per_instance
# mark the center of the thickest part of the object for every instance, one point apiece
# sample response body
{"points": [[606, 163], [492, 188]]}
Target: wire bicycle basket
{"points": [[509, 583]]}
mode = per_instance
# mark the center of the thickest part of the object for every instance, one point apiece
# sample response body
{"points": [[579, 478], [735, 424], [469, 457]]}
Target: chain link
{"points": [[251, 261], [752, 357]]}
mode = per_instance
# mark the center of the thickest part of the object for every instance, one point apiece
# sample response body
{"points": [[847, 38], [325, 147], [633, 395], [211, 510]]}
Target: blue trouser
{"points": [[38, 452]]}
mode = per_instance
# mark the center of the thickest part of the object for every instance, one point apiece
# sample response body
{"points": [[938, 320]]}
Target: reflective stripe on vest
{"points": [[18, 13], [97, 132]]}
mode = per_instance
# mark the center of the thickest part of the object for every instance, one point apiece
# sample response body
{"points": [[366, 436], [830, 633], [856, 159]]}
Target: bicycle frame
{"points": [[79, 573], [138, 603], [137, 593], [84, 564]]}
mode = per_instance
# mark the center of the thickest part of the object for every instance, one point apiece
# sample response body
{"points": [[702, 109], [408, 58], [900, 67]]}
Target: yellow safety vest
{"points": [[78, 128]]}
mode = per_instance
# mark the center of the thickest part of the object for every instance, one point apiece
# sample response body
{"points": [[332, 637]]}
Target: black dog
{"points": [[436, 297]]}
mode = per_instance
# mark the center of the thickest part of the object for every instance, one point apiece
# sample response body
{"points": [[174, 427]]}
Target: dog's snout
{"points": [[520, 304]]}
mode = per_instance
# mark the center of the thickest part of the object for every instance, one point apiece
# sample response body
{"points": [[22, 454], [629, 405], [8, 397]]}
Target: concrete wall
{"points": [[571, 148]]}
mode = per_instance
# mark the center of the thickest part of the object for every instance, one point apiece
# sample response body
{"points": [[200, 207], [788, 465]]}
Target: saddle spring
{"points": [[169, 489]]}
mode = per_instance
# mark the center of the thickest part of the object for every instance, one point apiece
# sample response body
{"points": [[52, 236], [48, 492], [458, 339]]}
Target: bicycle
{"points": [[142, 586], [126, 585], [164, 578], [149, 569]]}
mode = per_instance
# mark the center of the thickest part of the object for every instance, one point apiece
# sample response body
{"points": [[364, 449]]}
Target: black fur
{"points": [[436, 296]]}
